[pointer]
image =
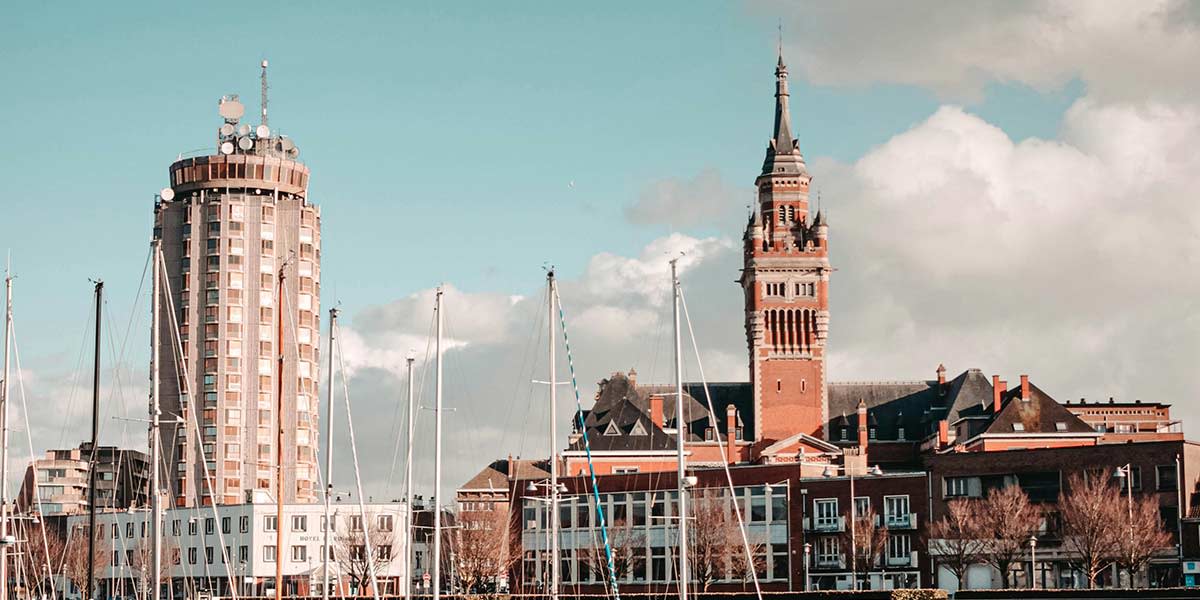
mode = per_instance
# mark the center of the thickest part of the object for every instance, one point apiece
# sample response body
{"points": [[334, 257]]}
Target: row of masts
{"points": [[155, 441]]}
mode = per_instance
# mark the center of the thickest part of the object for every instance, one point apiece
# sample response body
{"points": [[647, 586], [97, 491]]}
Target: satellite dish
{"points": [[232, 109], [226, 130], [245, 143], [167, 194], [226, 147], [243, 129], [288, 144], [263, 132]]}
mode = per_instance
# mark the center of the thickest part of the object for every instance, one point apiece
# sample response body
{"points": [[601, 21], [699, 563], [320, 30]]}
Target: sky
{"points": [[1010, 185]]}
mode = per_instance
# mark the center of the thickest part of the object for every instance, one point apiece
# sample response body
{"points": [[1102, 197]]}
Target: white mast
{"points": [[333, 312], [4, 440], [408, 481], [554, 562], [679, 439], [156, 516], [436, 559]]}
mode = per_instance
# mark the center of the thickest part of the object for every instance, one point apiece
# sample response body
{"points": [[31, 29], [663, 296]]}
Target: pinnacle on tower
{"points": [[783, 152]]}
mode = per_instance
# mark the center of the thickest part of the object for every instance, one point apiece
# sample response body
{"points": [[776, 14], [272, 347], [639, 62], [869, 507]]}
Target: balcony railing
{"points": [[836, 524], [901, 521], [903, 561]]}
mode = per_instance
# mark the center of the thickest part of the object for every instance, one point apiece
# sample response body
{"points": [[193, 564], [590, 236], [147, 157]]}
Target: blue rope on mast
{"points": [[608, 554]]}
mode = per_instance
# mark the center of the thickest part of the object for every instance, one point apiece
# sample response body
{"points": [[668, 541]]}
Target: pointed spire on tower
{"points": [[783, 153]]}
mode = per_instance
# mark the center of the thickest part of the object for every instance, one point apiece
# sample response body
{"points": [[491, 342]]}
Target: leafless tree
{"points": [[628, 552], [1091, 514], [75, 561], [956, 539], [1142, 538], [1007, 520], [865, 540], [481, 548], [716, 542], [350, 551], [40, 557], [142, 563]]}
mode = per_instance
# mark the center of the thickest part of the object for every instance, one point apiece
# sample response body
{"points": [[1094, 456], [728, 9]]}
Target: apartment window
{"points": [[385, 553], [895, 509], [899, 548], [210, 524], [299, 523], [385, 522], [827, 550], [1166, 477], [826, 510], [129, 529], [969, 487], [758, 504], [299, 553], [208, 555], [862, 505], [356, 523], [117, 530], [1136, 479], [226, 523], [192, 556], [244, 524], [269, 554], [270, 523], [243, 554], [358, 552]]}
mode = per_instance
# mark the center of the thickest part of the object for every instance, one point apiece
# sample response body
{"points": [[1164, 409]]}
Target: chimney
{"points": [[1025, 388], [730, 432], [862, 426], [943, 433], [997, 392], [633, 377], [941, 374], [656, 410]]}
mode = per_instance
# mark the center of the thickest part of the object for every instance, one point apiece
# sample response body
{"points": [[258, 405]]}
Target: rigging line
{"points": [[29, 441], [83, 345], [412, 417], [721, 444], [562, 319], [522, 382], [337, 344], [530, 404], [185, 383]]}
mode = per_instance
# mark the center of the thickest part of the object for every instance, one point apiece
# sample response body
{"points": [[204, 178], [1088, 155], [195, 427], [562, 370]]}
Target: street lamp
{"points": [[1125, 474], [807, 555], [830, 471], [1033, 562]]}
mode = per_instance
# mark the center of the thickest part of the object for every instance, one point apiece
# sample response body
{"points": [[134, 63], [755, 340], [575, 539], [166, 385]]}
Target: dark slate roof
{"points": [[1039, 414], [620, 418], [890, 406], [495, 476], [968, 395], [737, 394]]}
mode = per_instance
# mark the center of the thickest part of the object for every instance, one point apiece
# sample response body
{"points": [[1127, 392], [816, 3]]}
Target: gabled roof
{"points": [[968, 395], [800, 439], [496, 475], [1039, 414]]}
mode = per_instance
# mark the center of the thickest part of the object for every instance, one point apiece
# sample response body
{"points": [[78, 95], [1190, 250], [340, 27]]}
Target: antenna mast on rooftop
{"points": [[264, 91]]}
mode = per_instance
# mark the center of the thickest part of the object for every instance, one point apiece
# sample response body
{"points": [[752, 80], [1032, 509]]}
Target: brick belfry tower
{"points": [[786, 282]]}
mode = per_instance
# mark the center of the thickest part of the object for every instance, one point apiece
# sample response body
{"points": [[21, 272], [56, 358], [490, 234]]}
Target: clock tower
{"points": [[785, 279]]}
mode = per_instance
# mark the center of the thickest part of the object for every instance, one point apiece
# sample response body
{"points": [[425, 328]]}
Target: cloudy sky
{"points": [[1011, 186]]}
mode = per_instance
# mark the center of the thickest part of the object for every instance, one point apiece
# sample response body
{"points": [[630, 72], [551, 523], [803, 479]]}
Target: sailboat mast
{"points": [[279, 528], [333, 313], [679, 438], [554, 562], [408, 480], [155, 413], [91, 531], [4, 439], [437, 457]]}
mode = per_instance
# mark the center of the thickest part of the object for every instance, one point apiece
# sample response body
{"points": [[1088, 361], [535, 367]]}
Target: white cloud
{"points": [[681, 203], [1121, 50]]}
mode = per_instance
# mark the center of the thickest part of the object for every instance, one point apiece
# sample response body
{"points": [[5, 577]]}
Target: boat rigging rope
{"points": [[587, 447], [721, 443]]}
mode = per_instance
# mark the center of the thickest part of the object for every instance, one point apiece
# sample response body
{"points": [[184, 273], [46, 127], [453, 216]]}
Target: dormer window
{"points": [[900, 433], [1018, 427], [845, 433], [871, 433], [611, 429], [738, 434], [1060, 426]]}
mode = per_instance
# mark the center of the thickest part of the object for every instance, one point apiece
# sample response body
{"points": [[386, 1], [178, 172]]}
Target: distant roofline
{"points": [[882, 381]]}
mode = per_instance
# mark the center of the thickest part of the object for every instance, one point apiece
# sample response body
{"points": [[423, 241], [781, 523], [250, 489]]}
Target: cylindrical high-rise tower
{"points": [[229, 221]]}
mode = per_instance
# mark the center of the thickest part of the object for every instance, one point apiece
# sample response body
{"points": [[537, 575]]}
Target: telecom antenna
{"points": [[264, 92]]}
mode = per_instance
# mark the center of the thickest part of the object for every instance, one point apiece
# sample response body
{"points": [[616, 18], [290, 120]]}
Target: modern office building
{"points": [[231, 221], [60, 479]]}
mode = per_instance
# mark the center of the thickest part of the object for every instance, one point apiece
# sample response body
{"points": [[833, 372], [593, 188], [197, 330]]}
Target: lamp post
{"points": [[1125, 474], [807, 556], [554, 491], [1033, 562], [830, 471]]}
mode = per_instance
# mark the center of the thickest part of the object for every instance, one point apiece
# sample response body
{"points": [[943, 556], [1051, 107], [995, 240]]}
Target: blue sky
{"points": [[442, 138]]}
